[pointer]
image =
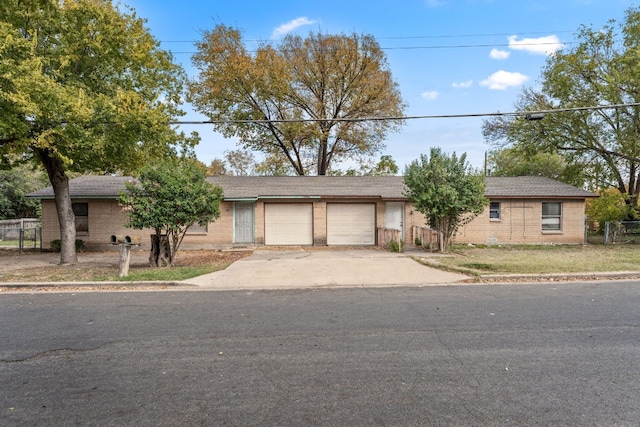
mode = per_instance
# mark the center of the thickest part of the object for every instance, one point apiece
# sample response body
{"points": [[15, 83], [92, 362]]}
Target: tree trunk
{"points": [[160, 253], [323, 143], [66, 218]]}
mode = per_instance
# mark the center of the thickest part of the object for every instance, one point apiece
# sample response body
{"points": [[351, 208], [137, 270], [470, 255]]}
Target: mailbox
{"points": [[124, 240]]}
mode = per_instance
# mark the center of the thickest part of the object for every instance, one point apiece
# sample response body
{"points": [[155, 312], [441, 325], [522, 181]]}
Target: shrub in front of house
{"points": [[56, 245], [396, 246]]}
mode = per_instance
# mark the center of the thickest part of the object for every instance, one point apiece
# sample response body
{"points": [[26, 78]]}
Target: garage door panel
{"points": [[351, 224], [288, 224]]}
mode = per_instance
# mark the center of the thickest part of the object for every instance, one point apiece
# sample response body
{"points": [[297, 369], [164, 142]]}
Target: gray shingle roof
{"points": [[532, 186], [386, 187], [90, 187], [309, 186]]}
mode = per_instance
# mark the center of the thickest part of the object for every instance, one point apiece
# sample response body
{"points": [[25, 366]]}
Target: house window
{"points": [[198, 229], [551, 216], [81, 212], [494, 210]]}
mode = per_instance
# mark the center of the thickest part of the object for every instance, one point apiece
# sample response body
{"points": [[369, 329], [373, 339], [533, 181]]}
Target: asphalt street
{"points": [[552, 354]]}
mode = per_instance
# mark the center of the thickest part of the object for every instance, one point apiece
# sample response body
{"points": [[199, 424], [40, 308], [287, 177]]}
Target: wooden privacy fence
{"points": [[386, 235], [427, 237], [421, 236]]}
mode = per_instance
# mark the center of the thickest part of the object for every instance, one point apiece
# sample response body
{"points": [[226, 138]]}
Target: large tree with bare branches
{"points": [[303, 100]]}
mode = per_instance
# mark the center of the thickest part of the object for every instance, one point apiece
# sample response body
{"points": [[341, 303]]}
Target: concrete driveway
{"points": [[300, 268]]}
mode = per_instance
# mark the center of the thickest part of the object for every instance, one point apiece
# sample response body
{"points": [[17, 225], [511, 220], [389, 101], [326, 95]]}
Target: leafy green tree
{"points": [[169, 198], [385, 166], [600, 69], [513, 162], [446, 190], [610, 206], [84, 87], [15, 183], [303, 100]]}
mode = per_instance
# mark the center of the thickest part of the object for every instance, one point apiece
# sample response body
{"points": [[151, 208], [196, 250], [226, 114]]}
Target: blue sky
{"points": [[448, 56]]}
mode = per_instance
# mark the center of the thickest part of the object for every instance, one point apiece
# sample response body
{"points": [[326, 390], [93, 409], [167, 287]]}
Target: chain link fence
{"points": [[622, 232], [25, 233]]}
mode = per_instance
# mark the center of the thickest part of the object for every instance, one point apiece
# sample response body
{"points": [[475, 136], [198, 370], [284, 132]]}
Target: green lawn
{"points": [[543, 259], [16, 243], [159, 274]]}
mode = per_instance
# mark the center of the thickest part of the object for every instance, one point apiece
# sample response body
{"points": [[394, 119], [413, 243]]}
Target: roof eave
{"points": [[499, 196], [73, 196]]}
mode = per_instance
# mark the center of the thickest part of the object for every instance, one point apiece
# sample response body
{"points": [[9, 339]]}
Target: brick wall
{"points": [[106, 218], [258, 220], [218, 232], [412, 217], [521, 223], [50, 228], [320, 223]]}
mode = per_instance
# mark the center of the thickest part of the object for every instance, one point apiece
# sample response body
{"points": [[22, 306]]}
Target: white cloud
{"points": [[499, 54], [290, 26], [546, 45], [501, 80], [462, 85], [429, 95]]}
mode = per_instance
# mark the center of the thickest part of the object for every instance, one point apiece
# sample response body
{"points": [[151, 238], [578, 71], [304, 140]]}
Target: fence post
{"points": [[125, 258]]}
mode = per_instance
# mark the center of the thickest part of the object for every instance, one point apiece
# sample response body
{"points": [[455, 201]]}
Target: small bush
{"points": [[417, 241], [396, 246], [56, 245]]}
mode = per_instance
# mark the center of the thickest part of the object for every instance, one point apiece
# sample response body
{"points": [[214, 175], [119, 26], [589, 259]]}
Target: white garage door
{"points": [[288, 224], [351, 224]]}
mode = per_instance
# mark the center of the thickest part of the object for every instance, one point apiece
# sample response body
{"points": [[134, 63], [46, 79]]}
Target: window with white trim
{"points": [[551, 216], [494, 210]]}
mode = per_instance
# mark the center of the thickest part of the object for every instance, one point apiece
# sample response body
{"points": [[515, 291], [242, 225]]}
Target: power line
{"points": [[460, 46], [447, 36], [457, 46], [532, 113], [443, 36]]}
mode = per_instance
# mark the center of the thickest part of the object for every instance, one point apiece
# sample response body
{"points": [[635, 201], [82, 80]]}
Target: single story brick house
{"points": [[529, 210], [328, 211]]}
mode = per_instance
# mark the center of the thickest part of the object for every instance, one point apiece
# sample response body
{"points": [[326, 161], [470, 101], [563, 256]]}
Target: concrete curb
{"points": [[179, 285], [619, 275], [95, 285]]}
